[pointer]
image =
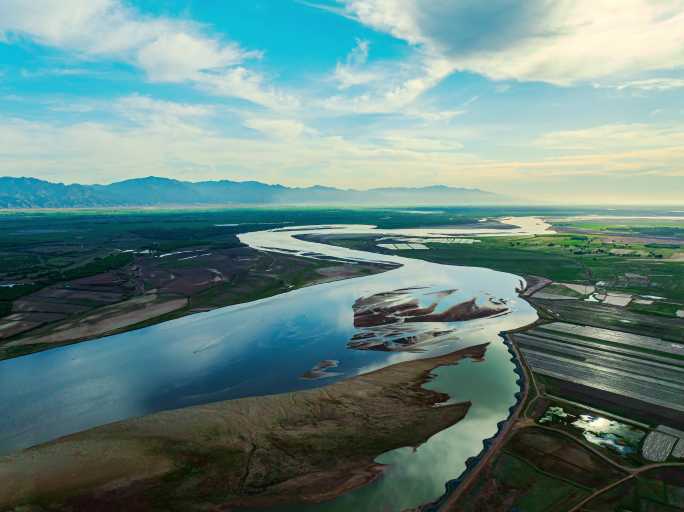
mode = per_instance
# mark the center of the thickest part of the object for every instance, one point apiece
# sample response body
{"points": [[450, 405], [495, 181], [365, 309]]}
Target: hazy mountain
{"points": [[153, 191]]}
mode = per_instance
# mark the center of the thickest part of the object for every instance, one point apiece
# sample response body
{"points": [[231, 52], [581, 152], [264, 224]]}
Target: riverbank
{"points": [[306, 446], [457, 487], [153, 289]]}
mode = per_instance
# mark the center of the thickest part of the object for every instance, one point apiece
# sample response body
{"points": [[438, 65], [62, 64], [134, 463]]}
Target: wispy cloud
{"points": [[334, 9], [614, 136], [395, 86], [653, 84], [56, 71], [167, 50], [352, 72], [283, 129], [174, 139], [144, 109]]}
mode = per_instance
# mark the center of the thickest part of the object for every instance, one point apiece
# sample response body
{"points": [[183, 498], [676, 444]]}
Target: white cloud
{"points": [[561, 42], [386, 86], [174, 140], [612, 137], [287, 129], [422, 144], [143, 108], [395, 86], [653, 84], [243, 83], [352, 72], [179, 56], [184, 147], [434, 115], [167, 50], [25, 73]]}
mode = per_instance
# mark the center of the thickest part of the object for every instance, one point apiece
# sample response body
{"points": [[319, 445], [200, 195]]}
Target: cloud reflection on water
{"points": [[264, 347]]}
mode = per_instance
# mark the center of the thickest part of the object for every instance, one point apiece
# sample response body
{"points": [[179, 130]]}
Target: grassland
{"points": [[663, 228], [40, 248], [564, 257]]}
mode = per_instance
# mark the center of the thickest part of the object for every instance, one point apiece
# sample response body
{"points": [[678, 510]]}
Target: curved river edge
{"points": [[253, 451], [430, 454], [455, 487]]}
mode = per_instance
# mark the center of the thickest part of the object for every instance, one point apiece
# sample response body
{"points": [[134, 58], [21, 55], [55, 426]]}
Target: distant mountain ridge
{"points": [[155, 191]]}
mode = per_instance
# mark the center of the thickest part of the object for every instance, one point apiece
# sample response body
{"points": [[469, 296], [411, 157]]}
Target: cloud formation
{"points": [[494, 94], [351, 72], [167, 50], [153, 137], [653, 84], [556, 41]]}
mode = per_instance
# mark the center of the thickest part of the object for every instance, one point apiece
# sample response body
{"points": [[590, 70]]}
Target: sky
{"points": [[570, 101]]}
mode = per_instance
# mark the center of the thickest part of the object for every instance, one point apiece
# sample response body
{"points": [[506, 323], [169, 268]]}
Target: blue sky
{"points": [[569, 101]]}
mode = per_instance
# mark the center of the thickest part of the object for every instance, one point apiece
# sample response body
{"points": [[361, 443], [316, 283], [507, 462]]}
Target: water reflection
{"points": [[254, 349], [417, 476], [265, 347], [619, 437]]}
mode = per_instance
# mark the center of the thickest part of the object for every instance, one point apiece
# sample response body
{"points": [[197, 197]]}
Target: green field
{"points": [[658, 490], [542, 491], [44, 247], [669, 228], [564, 257]]}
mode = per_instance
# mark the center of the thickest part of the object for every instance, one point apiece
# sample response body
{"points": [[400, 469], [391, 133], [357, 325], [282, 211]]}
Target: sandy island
{"points": [[395, 320], [306, 446]]}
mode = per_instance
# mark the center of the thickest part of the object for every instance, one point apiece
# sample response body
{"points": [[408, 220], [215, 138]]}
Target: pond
{"points": [[614, 435]]}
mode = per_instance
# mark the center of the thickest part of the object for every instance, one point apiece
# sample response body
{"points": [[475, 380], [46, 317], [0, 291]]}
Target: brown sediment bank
{"points": [[399, 306], [395, 320], [106, 319], [306, 446]]}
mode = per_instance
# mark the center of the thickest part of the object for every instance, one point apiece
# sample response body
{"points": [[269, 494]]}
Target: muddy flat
{"points": [[295, 447], [107, 319]]}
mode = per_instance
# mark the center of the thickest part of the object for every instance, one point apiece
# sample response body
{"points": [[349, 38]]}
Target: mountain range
{"points": [[155, 191]]}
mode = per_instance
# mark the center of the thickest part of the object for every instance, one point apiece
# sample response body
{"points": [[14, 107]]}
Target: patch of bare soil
{"points": [[407, 318], [297, 447], [184, 282], [66, 300], [107, 319]]}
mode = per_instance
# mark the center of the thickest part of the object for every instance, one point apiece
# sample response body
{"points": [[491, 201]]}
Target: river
{"points": [[266, 346]]}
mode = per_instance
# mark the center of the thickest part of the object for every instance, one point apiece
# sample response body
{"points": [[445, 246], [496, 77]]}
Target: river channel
{"points": [[266, 346]]}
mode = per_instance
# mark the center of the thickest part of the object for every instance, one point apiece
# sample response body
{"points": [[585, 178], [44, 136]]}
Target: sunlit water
{"points": [[418, 476], [620, 437], [264, 347]]}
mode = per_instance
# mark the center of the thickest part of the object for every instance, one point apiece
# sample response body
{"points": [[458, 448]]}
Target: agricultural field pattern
{"points": [[590, 335]]}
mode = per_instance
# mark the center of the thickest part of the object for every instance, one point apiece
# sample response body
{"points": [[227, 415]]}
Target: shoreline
{"points": [[456, 487], [306, 446], [150, 309]]}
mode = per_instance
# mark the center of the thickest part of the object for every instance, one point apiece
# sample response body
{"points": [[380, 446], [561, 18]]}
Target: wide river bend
{"points": [[266, 346]]}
